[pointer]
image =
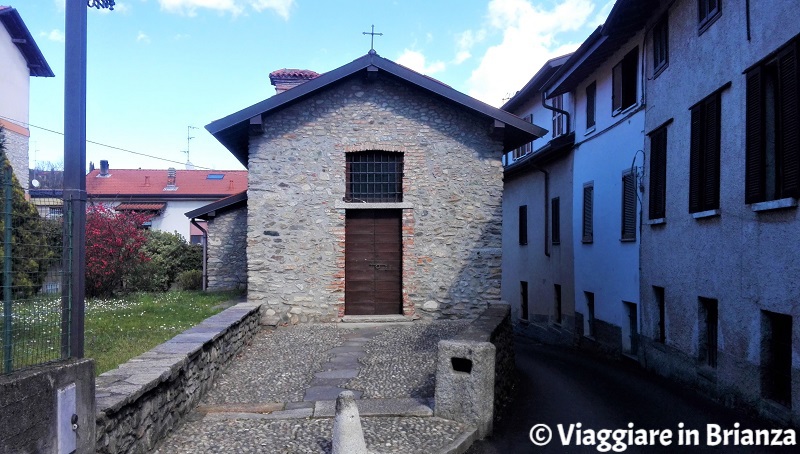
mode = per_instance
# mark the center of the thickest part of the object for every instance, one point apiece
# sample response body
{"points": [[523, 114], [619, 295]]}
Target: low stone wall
{"points": [[476, 372], [144, 399]]}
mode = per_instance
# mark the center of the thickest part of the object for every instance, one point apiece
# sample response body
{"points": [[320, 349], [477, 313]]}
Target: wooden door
{"points": [[373, 262]]}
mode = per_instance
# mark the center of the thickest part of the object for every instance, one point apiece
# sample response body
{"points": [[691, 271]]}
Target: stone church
{"points": [[373, 191]]}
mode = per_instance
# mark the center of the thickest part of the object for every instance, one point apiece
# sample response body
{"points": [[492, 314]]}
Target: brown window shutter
{"points": [[629, 206], [658, 173], [754, 123], [711, 155], [555, 213], [789, 133], [588, 214], [695, 162], [523, 224]]}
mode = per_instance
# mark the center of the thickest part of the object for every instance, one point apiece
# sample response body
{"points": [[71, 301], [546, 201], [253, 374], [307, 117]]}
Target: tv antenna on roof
{"points": [[189, 137]]}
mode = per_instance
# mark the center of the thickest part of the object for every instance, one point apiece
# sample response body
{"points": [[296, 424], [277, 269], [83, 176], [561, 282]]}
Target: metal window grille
{"points": [[374, 177]]}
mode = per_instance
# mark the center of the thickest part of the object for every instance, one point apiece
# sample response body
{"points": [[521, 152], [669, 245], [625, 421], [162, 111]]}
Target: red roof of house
{"points": [[153, 206], [205, 184]]}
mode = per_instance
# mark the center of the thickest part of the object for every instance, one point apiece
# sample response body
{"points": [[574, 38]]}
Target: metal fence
{"points": [[35, 318]]}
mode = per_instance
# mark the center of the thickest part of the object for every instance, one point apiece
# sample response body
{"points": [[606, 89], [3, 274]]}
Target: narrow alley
{"points": [[563, 386]]}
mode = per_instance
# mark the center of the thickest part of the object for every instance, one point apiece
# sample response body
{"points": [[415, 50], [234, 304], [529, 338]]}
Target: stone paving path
{"points": [[279, 394]]}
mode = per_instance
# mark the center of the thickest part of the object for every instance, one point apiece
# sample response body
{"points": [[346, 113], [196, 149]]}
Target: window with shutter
{"points": [[559, 127], [555, 220], [773, 128], [591, 95], [704, 159], [624, 81], [588, 214], [707, 12], [628, 206], [658, 174], [660, 45], [523, 224]]}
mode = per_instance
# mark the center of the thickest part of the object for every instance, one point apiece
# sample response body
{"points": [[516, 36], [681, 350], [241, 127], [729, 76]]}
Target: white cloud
{"points": [[465, 41], [416, 61], [531, 36], [181, 36], [55, 35], [281, 7], [602, 14], [142, 37], [235, 7]]}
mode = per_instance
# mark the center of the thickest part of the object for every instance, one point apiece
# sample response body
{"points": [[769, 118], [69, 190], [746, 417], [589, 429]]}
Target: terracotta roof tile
{"points": [[153, 183], [156, 206], [293, 74]]}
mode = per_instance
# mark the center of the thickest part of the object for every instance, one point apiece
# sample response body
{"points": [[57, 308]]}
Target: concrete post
{"points": [[348, 437]]}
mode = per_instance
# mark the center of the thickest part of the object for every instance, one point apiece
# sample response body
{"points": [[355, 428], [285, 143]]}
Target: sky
{"points": [[157, 67]]}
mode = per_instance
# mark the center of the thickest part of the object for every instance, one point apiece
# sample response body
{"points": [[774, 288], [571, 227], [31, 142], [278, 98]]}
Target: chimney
{"points": [[91, 166], [284, 79], [171, 173], [104, 169]]}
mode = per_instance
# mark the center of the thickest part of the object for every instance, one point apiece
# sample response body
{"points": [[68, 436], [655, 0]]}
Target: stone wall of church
{"points": [[452, 189]]}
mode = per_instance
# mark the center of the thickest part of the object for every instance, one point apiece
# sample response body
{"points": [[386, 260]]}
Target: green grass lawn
{"points": [[120, 329], [117, 329]]}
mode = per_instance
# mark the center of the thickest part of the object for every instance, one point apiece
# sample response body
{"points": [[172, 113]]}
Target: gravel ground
{"points": [[277, 366], [401, 361], [383, 435]]}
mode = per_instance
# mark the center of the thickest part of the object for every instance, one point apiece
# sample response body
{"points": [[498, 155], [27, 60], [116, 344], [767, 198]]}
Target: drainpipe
{"points": [[554, 109], [205, 253], [546, 217]]}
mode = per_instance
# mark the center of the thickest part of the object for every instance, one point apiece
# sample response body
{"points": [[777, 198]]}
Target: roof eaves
{"points": [[534, 85], [228, 130], [222, 204], [558, 82], [554, 149], [37, 64]]}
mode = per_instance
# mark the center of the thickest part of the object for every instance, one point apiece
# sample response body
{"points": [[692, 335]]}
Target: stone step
{"points": [[379, 407], [370, 319]]}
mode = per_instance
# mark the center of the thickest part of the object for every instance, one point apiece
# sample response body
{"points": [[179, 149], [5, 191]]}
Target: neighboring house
{"points": [[373, 190], [538, 269], [603, 77], [225, 251], [167, 194], [685, 173], [20, 59], [719, 287]]}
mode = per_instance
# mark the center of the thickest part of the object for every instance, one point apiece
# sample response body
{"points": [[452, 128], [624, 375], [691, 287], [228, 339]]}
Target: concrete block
{"points": [[465, 383]]}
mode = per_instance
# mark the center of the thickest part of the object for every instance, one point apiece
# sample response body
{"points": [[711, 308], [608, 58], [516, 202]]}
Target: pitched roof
{"points": [[152, 206], [153, 184], [21, 36], [220, 206], [626, 18], [232, 131], [535, 84]]}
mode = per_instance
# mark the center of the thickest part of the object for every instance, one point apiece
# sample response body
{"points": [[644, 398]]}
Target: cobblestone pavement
{"points": [[277, 395]]}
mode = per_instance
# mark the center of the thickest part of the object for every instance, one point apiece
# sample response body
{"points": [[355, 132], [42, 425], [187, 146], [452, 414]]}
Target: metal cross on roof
{"points": [[372, 39]]}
